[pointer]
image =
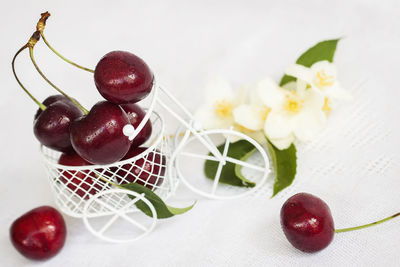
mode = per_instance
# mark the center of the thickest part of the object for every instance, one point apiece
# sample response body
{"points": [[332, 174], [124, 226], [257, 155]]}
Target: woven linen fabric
{"points": [[353, 164]]}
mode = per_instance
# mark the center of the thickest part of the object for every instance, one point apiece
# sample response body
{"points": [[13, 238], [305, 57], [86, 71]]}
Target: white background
{"points": [[353, 165]]}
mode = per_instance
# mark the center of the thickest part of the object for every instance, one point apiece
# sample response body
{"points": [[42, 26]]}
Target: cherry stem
{"points": [[366, 225], [40, 27], [32, 39], [49, 82]]}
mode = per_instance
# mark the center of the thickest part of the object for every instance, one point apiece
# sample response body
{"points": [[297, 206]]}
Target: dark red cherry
{"points": [[52, 126], [307, 222], [136, 115], [84, 183], [149, 170], [39, 234], [50, 100], [98, 137], [122, 77]]}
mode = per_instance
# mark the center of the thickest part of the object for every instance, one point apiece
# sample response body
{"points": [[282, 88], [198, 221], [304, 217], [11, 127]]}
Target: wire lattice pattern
{"points": [[73, 186]]}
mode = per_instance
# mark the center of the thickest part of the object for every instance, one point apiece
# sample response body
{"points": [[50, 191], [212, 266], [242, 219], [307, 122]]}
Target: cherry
{"points": [[52, 125], [148, 171], [136, 114], [307, 222], [39, 234], [122, 77], [98, 137], [50, 100], [83, 183]]}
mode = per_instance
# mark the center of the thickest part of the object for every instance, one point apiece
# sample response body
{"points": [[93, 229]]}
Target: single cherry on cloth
{"points": [[98, 137], [307, 222], [52, 126], [136, 114], [39, 234], [122, 77], [82, 182], [148, 170]]}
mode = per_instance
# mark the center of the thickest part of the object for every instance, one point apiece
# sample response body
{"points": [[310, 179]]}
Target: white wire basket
{"points": [[84, 191]]}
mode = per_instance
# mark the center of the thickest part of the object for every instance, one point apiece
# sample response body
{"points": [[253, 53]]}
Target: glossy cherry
{"points": [[98, 137], [149, 170], [52, 125], [50, 100], [122, 77], [307, 222], [39, 234], [136, 114], [84, 183]]}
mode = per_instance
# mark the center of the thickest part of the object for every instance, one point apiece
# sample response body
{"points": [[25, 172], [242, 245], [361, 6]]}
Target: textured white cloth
{"points": [[353, 165]]}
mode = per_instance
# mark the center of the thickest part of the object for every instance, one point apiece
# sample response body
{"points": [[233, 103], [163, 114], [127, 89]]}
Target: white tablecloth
{"points": [[353, 165]]}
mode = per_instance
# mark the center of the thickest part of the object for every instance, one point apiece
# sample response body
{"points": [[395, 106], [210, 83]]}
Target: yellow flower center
{"points": [[293, 103], [223, 108], [323, 79], [326, 108]]}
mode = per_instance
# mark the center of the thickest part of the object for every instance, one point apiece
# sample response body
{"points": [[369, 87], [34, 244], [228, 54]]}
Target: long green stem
{"points": [[55, 87], [40, 26], [366, 225], [41, 106], [62, 57]]}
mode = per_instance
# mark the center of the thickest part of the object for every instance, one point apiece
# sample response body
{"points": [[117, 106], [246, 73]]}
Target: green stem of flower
{"points": [[366, 225], [41, 106], [85, 111], [40, 27]]}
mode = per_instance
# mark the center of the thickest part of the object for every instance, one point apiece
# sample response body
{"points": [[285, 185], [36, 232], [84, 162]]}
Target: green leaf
{"points": [[163, 210], [231, 174], [324, 50], [285, 165]]}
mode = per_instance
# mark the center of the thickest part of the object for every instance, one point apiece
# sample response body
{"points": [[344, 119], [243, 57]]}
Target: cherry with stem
{"points": [[40, 26], [31, 47], [308, 224]]}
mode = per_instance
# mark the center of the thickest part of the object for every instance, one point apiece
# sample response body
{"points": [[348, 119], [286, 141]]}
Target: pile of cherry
{"points": [[97, 136]]}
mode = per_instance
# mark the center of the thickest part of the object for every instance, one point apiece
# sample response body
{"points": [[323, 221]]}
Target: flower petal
{"points": [[270, 94], [282, 143], [209, 120], [338, 92], [277, 125], [328, 67], [250, 117], [218, 89], [300, 72]]}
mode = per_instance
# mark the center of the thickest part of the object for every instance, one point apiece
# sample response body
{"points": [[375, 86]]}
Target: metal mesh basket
{"points": [[73, 186]]}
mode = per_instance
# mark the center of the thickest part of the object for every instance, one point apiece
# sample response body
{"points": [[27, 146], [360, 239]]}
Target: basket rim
{"points": [[149, 149]]}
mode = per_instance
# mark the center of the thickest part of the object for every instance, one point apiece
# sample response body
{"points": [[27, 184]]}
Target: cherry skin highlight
{"points": [[136, 114], [122, 77], [148, 171], [307, 222], [98, 137], [39, 234], [52, 126], [84, 182]]}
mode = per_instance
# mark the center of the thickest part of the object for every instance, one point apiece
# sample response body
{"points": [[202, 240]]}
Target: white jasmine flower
{"points": [[217, 111], [293, 113], [322, 77]]}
